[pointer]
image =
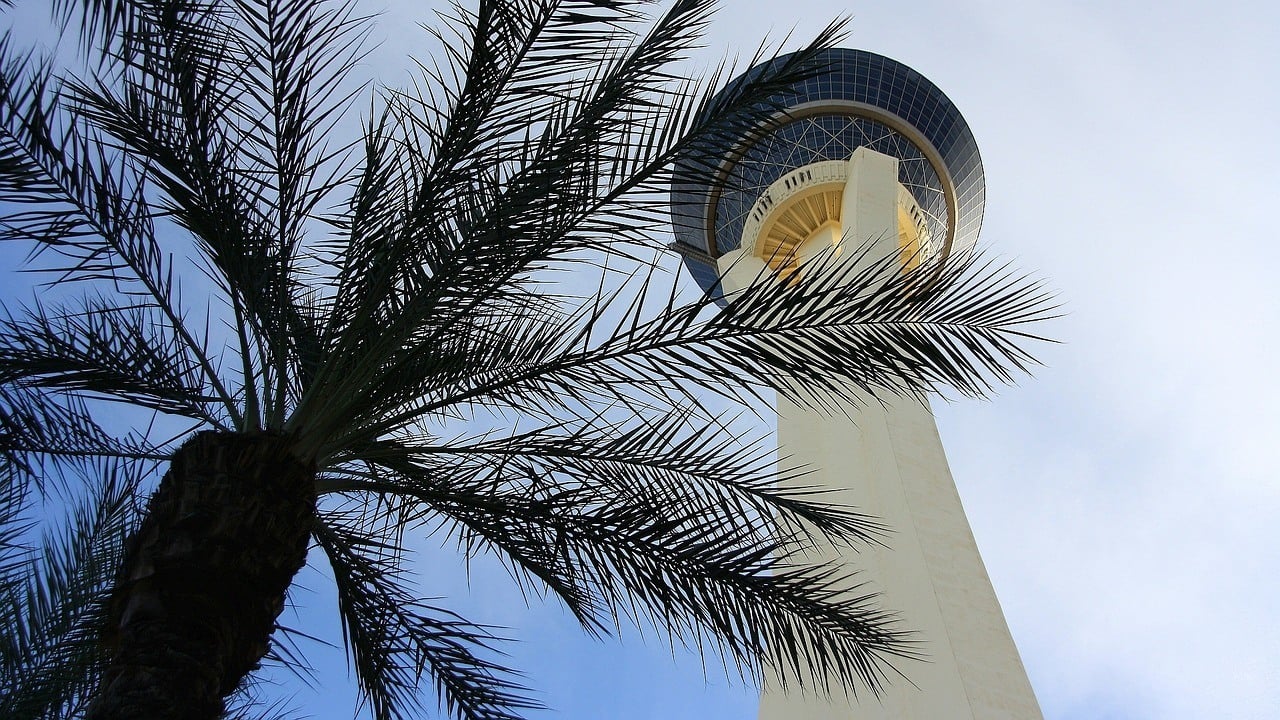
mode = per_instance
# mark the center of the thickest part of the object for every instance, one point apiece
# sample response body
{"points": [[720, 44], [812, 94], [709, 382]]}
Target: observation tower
{"points": [[868, 151]]}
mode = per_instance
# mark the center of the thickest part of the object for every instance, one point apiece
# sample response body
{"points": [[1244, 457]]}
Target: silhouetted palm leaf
{"points": [[52, 596]]}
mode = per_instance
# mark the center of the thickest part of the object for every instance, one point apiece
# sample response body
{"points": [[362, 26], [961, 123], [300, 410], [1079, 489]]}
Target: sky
{"points": [[1124, 498]]}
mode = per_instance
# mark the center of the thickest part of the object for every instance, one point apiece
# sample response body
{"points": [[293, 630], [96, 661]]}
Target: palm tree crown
{"points": [[405, 344]]}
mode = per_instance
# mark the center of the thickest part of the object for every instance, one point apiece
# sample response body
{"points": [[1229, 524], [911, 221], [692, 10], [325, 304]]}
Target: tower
{"points": [[870, 150]]}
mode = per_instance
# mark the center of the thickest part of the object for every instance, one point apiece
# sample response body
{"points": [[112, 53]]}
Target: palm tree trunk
{"points": [[205, 576]]}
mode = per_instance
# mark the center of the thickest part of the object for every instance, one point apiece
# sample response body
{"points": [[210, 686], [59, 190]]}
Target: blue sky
{"points": [[1125, 498]]}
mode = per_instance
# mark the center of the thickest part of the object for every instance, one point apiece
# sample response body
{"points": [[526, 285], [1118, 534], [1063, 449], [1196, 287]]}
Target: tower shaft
{"points": [[885, 458]]}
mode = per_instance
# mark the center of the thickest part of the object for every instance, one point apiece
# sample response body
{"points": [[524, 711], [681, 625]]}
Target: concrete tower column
{"points": [[886, 459]]}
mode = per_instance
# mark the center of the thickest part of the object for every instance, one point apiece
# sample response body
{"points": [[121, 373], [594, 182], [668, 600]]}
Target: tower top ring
{"points": [[859, 98]]}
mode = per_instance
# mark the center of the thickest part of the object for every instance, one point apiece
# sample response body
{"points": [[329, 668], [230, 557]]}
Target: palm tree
{"points": [[400, 344]]}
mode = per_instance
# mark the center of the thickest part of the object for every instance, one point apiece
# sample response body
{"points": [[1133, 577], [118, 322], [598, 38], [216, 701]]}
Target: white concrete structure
{"points": [[886, 460]]}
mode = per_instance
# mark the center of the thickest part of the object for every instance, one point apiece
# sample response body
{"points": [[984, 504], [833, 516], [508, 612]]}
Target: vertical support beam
{"points": [[869, 206]]}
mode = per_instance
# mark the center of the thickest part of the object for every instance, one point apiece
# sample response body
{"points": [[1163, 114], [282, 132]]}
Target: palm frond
{"points": [[117, 352], [191, 114], [245, 705], [14, 526], [109, 26], [50, 656], [512, 227], [957, 325], [680, 456], [616, 551], [395, 638], [47, 437], [298, 56], [87, 205]]}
